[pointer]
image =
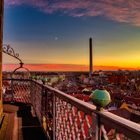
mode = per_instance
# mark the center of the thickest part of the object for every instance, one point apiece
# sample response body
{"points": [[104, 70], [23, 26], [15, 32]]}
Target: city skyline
{"points": [[58, 32]]}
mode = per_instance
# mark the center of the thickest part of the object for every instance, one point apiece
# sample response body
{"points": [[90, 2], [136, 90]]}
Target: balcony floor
{"points": [[20, 124]]}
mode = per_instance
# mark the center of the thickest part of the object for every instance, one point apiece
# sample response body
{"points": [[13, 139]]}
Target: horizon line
{"points": [[66, 67]]}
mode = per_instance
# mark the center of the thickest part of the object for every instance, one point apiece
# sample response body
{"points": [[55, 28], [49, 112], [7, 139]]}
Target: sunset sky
{"points": [[57, 31]]}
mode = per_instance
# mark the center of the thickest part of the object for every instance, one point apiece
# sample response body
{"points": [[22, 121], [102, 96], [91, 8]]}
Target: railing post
{"points": [[43, 107], [12, 91], [31, 91], [100, 98], [94, 126], [54, 116], [49, 104], [97, 127]]}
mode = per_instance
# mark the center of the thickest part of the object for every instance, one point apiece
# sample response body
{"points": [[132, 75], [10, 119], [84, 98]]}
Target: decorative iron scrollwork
{"points": [[10, 51], [7, 49]]}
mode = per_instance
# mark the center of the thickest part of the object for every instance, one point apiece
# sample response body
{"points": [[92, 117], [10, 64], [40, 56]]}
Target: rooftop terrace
{"points": [[48, 111]]}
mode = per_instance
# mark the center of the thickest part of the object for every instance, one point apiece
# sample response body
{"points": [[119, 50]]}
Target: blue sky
{"points": [[58, 32]]}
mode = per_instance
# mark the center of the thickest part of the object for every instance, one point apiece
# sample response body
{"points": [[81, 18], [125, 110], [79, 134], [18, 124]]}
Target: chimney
{"points": [[90, 58]]}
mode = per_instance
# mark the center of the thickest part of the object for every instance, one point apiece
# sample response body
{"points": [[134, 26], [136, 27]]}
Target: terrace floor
{"points": [[20, 124]]}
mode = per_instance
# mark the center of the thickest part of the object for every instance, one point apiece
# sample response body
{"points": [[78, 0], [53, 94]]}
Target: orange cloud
{"points": [[127, 11]]}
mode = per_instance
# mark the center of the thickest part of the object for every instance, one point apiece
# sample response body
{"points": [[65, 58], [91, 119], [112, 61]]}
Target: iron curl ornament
{"points": [[7, 49], [10, 51]]}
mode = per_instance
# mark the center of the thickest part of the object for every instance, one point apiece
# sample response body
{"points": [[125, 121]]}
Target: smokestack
{"points": [[90, 58]]}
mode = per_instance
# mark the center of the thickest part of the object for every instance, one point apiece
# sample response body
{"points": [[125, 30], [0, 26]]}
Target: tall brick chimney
{"points": [[90, 58]]}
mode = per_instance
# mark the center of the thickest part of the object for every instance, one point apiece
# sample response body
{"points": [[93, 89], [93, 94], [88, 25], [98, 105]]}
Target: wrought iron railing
{"points": [[64, 117], [16, 90]]}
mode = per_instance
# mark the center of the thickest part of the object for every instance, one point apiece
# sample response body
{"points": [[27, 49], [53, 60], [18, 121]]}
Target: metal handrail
{"points": [[128, 127], [122, 125], [131, 129]]}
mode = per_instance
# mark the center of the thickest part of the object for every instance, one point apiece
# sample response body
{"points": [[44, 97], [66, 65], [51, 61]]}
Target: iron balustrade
{"points": [[64, 117], [16, 90]]}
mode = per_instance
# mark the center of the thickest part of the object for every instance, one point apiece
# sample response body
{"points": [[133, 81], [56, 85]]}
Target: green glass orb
{"points": [[101, 98]]}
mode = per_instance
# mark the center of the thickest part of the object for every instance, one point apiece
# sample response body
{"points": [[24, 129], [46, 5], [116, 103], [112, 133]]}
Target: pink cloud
{"points": [[127, 11], [36, 3]]}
